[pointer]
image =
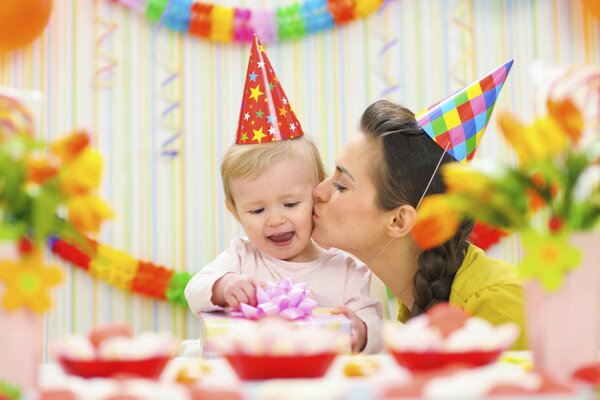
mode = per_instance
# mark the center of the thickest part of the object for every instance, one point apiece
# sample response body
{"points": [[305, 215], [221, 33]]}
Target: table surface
{"points": [[334, 385]]}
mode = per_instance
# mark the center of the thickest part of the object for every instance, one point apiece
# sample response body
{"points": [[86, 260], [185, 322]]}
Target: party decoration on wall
{"points": [[266, 114], [237, 24], [122, 270], [170, 99], [22, 21], [462, 59], [390, 42], [105, 62], [458, 122]]}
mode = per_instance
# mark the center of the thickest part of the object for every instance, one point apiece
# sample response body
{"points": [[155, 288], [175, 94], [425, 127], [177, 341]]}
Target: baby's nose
{"points": [[276, 220]]}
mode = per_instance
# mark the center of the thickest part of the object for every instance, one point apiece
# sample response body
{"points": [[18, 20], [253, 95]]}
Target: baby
{"points": [[268, 182]]}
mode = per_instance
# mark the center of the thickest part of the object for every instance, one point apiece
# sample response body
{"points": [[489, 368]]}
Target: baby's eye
{"points": [[291, 204], [257, 211], [339, 187]]}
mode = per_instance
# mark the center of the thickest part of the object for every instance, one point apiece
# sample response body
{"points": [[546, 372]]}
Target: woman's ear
{"points": [[402, 221]]}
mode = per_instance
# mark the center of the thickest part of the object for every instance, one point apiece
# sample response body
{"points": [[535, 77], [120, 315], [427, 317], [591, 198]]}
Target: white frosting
{"points": [[476, 334], [274, 336]]}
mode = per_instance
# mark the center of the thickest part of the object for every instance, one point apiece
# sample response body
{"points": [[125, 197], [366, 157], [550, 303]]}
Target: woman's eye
{"points": [[257, 211], [292, 204], [338, 187]]}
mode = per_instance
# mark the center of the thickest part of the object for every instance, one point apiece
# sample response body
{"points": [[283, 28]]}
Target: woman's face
{"points": [[346, 214]]}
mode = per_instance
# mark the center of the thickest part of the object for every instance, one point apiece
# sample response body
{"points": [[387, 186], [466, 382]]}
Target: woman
{"points": [[369, 207]]}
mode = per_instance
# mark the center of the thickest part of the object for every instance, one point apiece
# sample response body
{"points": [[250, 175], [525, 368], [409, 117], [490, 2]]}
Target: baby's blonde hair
{"points": [[252, 160]]}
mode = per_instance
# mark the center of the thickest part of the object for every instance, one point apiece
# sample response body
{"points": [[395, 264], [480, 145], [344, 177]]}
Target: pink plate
{"points": [[146, 368], [271, 367], [433, 360]]}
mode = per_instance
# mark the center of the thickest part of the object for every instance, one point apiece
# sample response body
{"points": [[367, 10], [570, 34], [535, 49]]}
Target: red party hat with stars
{"points": [[266, 114]]}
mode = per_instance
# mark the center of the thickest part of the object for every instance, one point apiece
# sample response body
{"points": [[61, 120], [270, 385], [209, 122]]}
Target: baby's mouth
{"points": [[281, 238]]}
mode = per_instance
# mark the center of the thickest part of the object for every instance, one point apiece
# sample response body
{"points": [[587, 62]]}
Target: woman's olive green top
{"points": [[488, 288]]}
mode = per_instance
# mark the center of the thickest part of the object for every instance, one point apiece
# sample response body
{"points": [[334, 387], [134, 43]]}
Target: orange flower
{"points": [[567, 115], [87, 212], [535, 200], [436, 222], [40, 169], [70, 146]]}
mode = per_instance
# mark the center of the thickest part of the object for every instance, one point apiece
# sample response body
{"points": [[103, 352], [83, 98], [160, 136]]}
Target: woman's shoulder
{"points": [[481, 272]]}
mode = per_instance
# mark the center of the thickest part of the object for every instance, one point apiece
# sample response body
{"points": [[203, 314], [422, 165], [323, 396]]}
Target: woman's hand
{"points": [[232, 289], [359, 328]]}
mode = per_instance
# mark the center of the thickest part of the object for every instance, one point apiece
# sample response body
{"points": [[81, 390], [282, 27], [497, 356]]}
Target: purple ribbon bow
{"points": [[286, 300]]}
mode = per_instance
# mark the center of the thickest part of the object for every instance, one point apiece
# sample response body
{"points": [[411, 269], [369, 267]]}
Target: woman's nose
{"points": [[320, 192]]}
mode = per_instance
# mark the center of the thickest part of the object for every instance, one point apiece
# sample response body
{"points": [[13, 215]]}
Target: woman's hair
{"points": [[410, 157], [252, 160]]}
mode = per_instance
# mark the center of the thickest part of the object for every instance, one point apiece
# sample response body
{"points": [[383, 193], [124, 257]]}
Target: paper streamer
{"points": [[105, 63], [390, 43]]}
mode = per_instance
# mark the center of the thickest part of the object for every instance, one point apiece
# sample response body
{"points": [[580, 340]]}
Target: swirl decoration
{"points": [[105, 63], [390, 42], [239, 25]]}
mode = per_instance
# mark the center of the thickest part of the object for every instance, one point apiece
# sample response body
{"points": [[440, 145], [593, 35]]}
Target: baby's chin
{"points": [[309, 252]]}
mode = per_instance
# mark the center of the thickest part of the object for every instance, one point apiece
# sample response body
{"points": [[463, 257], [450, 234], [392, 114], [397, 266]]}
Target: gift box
{"points": [[214, 325]]}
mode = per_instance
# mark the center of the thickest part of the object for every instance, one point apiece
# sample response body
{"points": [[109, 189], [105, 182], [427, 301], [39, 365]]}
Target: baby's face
{"points": [[276, 209]]}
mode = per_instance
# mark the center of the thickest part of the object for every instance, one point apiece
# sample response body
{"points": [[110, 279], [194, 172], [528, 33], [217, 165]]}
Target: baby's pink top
{"points": [[334, 279]]}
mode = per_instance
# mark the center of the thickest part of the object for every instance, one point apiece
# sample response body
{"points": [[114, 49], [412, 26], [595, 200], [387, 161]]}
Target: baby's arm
{"points": [[200, 289], [365, 308]]}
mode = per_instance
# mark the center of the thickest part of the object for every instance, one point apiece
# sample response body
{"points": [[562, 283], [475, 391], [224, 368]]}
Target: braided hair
{"points": [[409, 158]]}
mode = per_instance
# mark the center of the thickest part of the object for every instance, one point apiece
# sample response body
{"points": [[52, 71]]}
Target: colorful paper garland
{"points": [[226, 24], [120, 269]]}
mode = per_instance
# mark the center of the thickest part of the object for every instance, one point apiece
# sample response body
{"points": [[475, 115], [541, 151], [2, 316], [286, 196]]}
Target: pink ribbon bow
{"points": [[286, 300]]}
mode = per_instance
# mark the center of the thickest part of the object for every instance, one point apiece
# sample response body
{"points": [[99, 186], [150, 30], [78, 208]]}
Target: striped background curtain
{"points": [[147, 93]]}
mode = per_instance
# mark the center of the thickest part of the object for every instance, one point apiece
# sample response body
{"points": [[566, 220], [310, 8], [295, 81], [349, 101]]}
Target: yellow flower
{"points": [[436, 222], [83, 173], [87, 212], [69, 147], [461, 178], [548, 257], [539, 141], [27, 282]]}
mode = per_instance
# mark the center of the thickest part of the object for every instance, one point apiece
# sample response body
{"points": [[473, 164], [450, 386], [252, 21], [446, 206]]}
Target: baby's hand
{"points": [[232, 289], [359, 328]]}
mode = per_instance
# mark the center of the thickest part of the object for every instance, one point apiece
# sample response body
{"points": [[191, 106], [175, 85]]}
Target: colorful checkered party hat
{"points": [[457, 123], [266, 114]]}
